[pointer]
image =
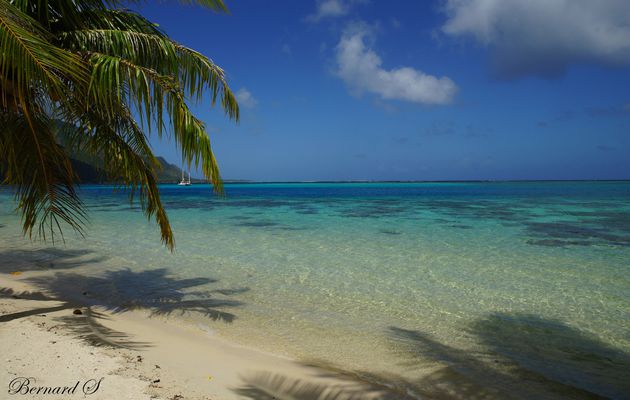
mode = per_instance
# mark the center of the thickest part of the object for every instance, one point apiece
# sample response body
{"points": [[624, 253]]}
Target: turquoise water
{"points": [[443, 290]]}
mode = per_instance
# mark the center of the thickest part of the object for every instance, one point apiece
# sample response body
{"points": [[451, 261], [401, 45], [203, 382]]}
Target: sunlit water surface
{"points": [[447, 289]]}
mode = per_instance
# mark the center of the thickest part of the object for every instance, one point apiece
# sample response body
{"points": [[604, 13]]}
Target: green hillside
{"points": [[88, 172], [87, 167], [169, 173]]}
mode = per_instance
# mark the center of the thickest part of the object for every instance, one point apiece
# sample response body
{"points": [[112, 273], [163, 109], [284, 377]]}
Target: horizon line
{"points": [[245, 181]]}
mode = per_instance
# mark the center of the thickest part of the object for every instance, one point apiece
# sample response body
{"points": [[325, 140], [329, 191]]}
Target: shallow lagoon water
{"points": [[446, 290]]}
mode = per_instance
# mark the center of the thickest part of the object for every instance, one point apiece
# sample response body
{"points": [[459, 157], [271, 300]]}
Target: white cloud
{"points": [[544, 37], [286, 49], [245, 98], [332, 9], [361, 69]]}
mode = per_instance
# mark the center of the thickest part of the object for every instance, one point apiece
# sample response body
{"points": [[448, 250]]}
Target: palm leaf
{"points": [[128, 160], [116, 81], [43, 179], [95, 67], [194, 72], [29, 61]]}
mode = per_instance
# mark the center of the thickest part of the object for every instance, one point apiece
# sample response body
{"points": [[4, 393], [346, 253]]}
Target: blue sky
{"points": [[415, 90]]}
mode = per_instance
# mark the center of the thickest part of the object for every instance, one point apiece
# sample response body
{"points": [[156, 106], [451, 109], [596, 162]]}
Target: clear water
{"points": [[442, 290]]}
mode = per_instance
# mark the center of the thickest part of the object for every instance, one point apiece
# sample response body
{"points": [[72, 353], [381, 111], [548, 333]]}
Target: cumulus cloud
{"points": [[544, 37], [361, 69], [332, 9], [245, 98]]}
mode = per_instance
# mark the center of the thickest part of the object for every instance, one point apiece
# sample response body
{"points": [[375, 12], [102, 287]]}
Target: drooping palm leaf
{"points": [[97, 66], [30, 61], [194, 72], [42, 175]]}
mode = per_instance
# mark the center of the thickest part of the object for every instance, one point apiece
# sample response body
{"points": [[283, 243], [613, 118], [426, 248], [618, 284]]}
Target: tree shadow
{"points": [[558, 352], [264, 385], [10, 293], [115, 291], [46, 259], [86, 326], [519, 357], [89, 328], [35, 296], [154, 290]]}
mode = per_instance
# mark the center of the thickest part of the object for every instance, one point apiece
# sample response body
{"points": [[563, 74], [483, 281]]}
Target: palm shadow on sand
{"points": [[116, 291], [154, 290], [46, 259], [87, 326], [520, 356]]}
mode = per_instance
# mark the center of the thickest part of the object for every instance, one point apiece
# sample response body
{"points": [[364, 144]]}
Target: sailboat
{"points": [[185, 182]]}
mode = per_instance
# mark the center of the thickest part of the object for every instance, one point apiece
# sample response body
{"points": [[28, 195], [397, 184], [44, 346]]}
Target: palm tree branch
{"points": [[129, 161], [43, 179], [154, 96], [29, 60], [195, 72], [95, 66]]}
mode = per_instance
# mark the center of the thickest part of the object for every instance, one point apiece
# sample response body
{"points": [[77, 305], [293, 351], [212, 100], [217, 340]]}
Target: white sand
{"points": [[50, 346]]}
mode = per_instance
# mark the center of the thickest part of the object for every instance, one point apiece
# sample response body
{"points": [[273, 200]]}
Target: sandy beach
{"points": [[45, 343]]}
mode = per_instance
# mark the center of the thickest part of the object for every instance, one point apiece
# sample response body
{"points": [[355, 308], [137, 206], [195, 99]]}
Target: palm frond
{"points": [[195, 72], [42, 175], [155, 97], [29, 61], [116, 18], [128, 160], [215, 5], [96, 67]]}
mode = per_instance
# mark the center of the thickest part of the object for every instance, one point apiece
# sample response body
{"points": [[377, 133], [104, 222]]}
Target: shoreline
{"points": [[142, 357]]}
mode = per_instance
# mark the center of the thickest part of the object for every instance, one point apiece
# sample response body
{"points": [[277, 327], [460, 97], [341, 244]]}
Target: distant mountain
{"points": [[169, 173], [88, 172]]}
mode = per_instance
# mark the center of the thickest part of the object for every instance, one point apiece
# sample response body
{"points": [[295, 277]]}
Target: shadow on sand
{"points": [[154, 290], [351, 385], [46, 259], [87, 326], [117, 291], [519, 357]]}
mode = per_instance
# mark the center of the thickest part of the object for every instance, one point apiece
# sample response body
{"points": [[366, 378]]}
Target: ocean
{"points": [[463, 289]]}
